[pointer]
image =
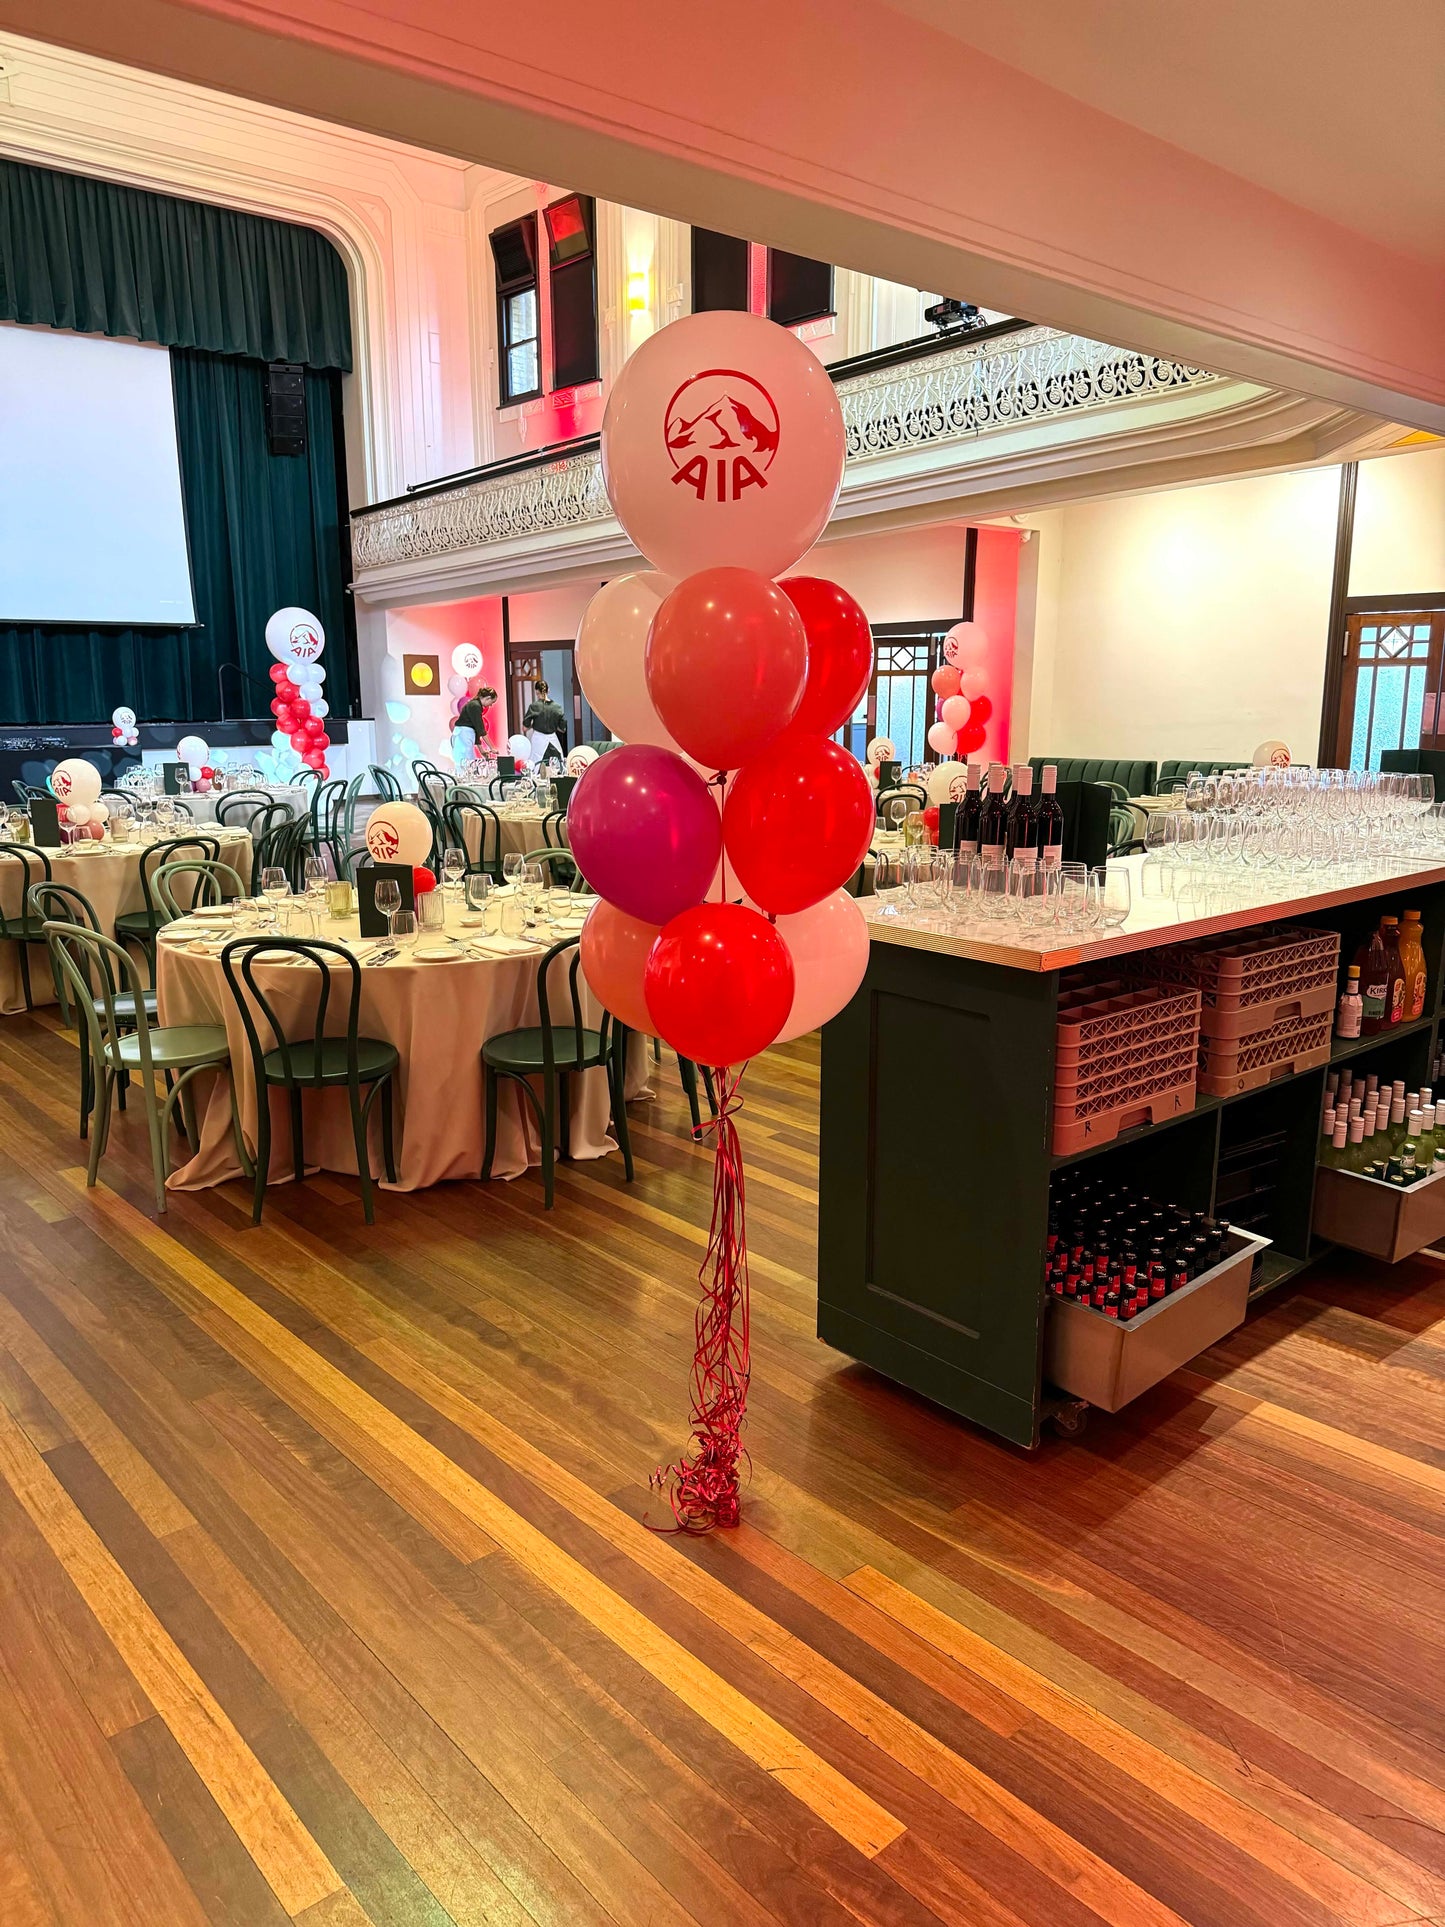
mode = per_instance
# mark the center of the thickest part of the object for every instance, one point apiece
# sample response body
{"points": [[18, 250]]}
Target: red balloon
{"points": [[319, 739], [840, 652], [314, 759], [725, 664], [277, 705], [980, 710], [945, 680], [301, 710], [285, 718], [324, 768], [970, 737], [279, 672], [719, 983], [422, 879], [930, 823], [797, 824]]}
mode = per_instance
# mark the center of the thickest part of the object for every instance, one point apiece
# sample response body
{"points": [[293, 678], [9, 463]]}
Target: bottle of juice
{"points": [[1395, 993], [1412, 956], [1374, 963]]}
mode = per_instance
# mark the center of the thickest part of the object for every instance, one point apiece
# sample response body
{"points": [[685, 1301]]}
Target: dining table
{"points": [[203, 808], [108, 875], [521, 830], [437, 1001]]}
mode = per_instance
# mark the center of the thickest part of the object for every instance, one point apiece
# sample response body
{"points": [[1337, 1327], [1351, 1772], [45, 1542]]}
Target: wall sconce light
{"points": [[638, 291]]}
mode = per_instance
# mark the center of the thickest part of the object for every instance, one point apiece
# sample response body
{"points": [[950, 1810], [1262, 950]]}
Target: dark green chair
{"points": [[63, 903], [559, 868], [554, 830], [22, 927], [130, 1045], [489, 829], [1177, 770], [1131, 776], [243, 807], [210, 884], [279, 838], [139, 926], [687, 1070], [313, 1063], [555, 1052]]}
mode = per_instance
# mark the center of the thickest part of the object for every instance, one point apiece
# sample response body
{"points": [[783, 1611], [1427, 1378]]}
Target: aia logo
{"points": [[721, 430], [62, 783], [957, 788], [305, 643], [383, 842]]}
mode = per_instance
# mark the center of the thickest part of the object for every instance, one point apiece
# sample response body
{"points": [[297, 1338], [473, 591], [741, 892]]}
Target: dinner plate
{"points": [[213, 913], [437, 954]]}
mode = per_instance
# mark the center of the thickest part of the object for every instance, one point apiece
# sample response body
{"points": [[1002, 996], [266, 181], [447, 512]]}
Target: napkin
{"points": [[500, 946]]}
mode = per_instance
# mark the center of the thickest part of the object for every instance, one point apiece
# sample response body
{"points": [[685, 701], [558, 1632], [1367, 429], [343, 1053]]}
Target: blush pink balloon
{"points": [[829, 947], [645, 831], [965, 645], [723, 444], [972, 683], [945, 680], [955, 712], [614, 959], [611, 644], [942, 739]]}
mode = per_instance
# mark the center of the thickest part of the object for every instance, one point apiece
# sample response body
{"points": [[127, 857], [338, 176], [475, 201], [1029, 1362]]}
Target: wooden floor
{"points": [[325, 1592]]}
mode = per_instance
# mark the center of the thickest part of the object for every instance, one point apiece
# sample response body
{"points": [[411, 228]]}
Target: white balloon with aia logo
{"points": [[295, 636], [398, 833]]}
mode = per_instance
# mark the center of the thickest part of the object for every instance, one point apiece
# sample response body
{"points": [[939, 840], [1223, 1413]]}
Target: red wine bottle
{"points": [[965, 823], [1023, 817], [1050, 819], [993, 822]]}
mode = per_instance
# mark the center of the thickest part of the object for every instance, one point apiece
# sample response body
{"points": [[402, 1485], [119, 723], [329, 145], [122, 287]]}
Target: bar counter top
{"points": [[1170, 905]]}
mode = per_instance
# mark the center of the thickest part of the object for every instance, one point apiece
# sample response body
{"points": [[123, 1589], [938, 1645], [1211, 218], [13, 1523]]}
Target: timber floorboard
{"points": [[329, 1591]]}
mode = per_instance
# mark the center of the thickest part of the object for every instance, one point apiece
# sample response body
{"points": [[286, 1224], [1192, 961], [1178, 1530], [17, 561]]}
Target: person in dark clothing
{"points": [[473, 713], [544, 719]]}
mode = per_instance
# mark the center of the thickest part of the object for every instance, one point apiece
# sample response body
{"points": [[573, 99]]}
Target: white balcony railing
{"points": [[964, 392]]}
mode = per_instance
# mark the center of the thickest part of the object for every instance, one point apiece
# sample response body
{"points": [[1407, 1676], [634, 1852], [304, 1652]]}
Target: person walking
{"points": [[545, 723]]}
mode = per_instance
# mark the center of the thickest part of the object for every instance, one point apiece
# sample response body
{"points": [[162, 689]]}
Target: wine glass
{"points": [[274, 886], [477, 889], [454, 866], [512, 865], [387, 898], [314, 873]]}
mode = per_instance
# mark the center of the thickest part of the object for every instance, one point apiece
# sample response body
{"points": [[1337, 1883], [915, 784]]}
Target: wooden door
{"points": [[1390, 691]]}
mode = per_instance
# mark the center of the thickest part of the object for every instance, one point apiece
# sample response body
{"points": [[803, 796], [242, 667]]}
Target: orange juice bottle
{"points": [[1412, 956]]}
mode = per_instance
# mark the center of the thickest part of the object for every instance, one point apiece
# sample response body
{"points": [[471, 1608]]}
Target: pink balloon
{"points": [[615, 949], [943, 739], [955, 712], [965, 645], [829, 947], [945, 680], [972, 683], [723, 444], [646, 831], [611, 644]]}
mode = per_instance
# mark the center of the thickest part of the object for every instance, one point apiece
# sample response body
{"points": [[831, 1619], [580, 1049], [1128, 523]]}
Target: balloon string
{"points": [[702, 1486]]}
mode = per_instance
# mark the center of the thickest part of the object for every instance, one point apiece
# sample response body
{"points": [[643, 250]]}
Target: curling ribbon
{"points": [[702, 1486]]}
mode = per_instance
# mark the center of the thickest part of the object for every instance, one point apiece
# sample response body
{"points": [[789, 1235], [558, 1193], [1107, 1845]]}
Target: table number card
{"points": [[562, 788], [373, 921], [890, 775], [171, 774], [45, 822], [947, 822], [506, 766]]}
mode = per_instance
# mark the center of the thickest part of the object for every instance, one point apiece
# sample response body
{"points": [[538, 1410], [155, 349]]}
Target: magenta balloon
{"points": [[646, 831]]}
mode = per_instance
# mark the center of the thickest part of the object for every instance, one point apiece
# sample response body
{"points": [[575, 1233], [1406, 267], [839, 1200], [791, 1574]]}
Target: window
{"points": [[719, 272], [799, 289], [573, 269], [1391, 688], [514, 250]]}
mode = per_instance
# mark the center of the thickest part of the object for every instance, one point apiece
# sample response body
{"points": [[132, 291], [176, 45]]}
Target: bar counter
{"points": [[936, 1124]]}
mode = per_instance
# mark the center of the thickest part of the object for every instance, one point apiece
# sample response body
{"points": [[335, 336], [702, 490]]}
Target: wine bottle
{"points": [[1374, 963], [1023, 820], [965, 823], [993, 819], [1050, 814], [1352, 1005]]}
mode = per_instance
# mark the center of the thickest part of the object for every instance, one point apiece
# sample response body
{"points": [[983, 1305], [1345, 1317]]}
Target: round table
{"points": [[203, 808], [437, 1014], [521, 831], [108, 874]]}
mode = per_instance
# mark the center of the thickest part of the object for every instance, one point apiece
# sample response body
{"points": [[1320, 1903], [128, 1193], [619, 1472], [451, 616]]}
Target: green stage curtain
{"points": [[102, 259], [265, 530]]}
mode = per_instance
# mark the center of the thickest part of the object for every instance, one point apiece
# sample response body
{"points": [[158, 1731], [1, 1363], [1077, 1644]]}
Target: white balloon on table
{"points": [[73, 780], [398, 833], [194, 750], [580, 759], [723, 444], [78, 814], [519, 747], [948, 783]]}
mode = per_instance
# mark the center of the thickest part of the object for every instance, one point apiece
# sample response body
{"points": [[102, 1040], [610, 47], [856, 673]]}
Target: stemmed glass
{"points": [[314, 874], [512, 865], [454, 866], [387, 898]]}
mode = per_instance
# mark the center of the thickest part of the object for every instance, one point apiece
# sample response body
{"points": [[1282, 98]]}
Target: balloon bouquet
{"points": [[959, 683], [123, 730], [75, 785], [720, 835], [296, 639]]}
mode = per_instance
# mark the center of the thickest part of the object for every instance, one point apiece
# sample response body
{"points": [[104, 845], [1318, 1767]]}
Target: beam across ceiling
{"points": [[847, 130]]}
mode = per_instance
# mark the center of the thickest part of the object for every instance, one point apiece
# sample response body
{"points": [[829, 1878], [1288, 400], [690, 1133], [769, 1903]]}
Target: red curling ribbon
{"points": [[702, 1486]]}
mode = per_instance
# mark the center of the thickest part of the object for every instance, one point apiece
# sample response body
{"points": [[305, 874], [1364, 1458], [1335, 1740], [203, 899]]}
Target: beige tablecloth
{"points": [[438, 1015], [109, 875], [203, 808], [520, 833]]}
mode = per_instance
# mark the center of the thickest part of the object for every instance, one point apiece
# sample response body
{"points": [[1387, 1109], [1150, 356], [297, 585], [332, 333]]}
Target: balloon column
{"points": [[721, 834], [959, 682], [123, 731], [296, 639]]}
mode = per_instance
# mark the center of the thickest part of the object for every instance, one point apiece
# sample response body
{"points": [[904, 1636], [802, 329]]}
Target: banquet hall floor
{"points": [[325, 1593]]}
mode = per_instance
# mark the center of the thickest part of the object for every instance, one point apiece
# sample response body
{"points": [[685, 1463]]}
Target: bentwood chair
{"points": [[913, 794], [328, 801], [306, 775], [489, 830], [553, 1053], [26, 793], [278, 836], [313, 1063], [131, 1044], [211, 884], [63, 903], [21, 927], [383, 784], [139, 926], [559, 867], [242, 807]]}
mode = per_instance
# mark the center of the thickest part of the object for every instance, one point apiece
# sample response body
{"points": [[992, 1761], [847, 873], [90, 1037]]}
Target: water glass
{"points": [[402, 929], [431, 910], [338, 898], [1072, 910], [890, 877], [992, 888], [1110, 896]]}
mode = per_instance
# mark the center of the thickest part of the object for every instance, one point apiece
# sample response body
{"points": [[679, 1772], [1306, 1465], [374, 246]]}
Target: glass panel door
{"points": [[1391, 686]]}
